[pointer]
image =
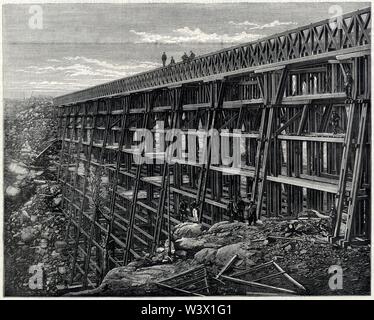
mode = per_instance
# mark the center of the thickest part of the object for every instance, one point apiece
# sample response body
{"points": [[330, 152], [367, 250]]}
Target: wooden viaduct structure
{"points": [[300, 100]]}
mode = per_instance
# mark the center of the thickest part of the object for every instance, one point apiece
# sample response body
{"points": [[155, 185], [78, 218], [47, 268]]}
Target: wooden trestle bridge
{"points": [[301, 101]]}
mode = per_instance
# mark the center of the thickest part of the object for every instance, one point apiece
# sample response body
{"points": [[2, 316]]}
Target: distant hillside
{"points": [[14, 106], [28, 126]]}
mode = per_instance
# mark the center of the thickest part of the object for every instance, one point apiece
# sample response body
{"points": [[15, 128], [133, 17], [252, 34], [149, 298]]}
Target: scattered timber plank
{"points": [[287, 276], [227, 266], [256, 284]]}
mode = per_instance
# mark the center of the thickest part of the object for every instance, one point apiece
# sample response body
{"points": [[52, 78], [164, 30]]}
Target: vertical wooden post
{"points": [[217, 94], [357, 171], [130, 230]]}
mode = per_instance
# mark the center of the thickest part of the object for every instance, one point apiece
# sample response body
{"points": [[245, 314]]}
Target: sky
{"points": [[58, 48]]}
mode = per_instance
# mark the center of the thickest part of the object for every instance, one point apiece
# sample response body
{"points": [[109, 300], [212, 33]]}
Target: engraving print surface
{"points": [[186, 149]]}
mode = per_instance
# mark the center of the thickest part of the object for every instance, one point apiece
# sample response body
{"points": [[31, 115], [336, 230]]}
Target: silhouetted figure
{"points": [[333, 216], [239, 209], [192, 56], [230, 211], [185, 57], [164, 58], [172, 61], [110, 249], [195, 211], [348, 85], [182, 210], [251, 213], [335, 121]]}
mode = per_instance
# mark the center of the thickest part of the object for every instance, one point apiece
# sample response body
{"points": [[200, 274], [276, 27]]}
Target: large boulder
{"points": [[129, 281], [221, 240], [18, 168], [227, 228], [60, 244], [28, 234], [242, 249], [206, 256], [57, 201], [187, 230], [140, 276], [12, 191], [217, 226], [190, 244]]}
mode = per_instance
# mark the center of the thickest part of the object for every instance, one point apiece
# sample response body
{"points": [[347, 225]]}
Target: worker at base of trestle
{"points": [[335, 118], [194, 211], [230, 211], [250, 213], [182, 210], [333, 216], [348, 82], [239, 208]]}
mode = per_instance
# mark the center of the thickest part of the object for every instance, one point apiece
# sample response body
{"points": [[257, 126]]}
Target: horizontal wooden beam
{"points": [[353, 55], [314, 138]]}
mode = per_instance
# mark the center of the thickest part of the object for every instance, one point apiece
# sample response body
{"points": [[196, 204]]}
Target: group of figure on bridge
{"points": [[185, 58]]}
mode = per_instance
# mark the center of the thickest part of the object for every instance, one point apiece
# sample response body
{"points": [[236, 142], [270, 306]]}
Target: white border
{"points": [[228, 298]]}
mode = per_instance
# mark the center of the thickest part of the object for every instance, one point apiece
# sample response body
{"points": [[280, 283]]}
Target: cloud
{"points": [[45, 86], [129, 67], [77, 72], [244, 23], [80, 66], [72, 70], [256, 26], [52, 84], [187, 35]]}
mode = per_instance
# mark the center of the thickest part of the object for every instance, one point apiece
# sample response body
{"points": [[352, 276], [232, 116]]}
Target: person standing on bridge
{"points": [[172, 61], [192, 56], [163, 58], [185, 57]]}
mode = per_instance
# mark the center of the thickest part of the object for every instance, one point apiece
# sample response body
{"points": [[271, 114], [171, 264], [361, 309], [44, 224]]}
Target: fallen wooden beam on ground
{"points": [[189, 282], [287, 276], [256, 284], [227, 266]]}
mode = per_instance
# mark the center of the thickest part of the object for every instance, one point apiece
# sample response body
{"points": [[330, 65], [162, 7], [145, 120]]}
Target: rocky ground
{"points": [[300, 247], [33, 223]]}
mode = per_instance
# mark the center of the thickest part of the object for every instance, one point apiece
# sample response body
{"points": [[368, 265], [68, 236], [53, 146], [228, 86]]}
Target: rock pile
{"points": [[304, 253], [29, 126], [34, 226], [35, 236]]}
